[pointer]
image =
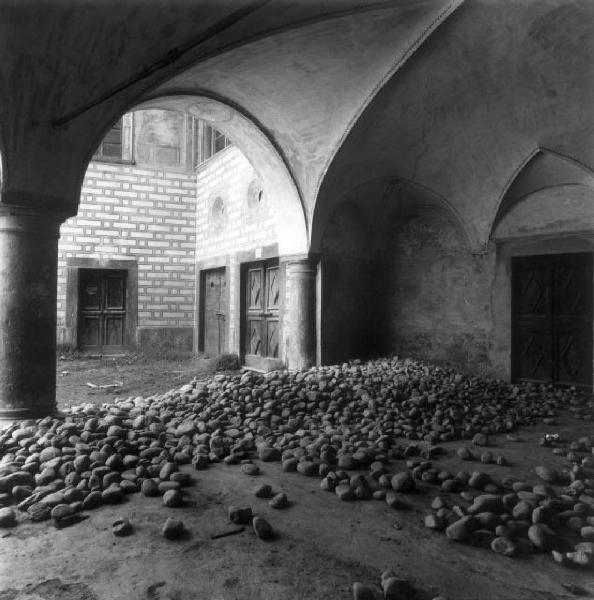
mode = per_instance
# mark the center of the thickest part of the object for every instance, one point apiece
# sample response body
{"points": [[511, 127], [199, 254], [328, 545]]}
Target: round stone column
{"points": [[28, 280], [301, 317]]}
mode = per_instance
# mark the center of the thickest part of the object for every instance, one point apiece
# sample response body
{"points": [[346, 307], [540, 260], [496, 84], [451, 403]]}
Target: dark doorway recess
{"points": [[214, 311], [261, 309], [102, 310], [552, 318]]}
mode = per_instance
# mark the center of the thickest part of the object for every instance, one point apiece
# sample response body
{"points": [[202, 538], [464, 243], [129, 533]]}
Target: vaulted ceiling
{"points": [[451, 95]]}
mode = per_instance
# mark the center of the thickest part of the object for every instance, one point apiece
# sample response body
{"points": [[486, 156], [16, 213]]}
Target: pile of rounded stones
{"points": [[347, 416], [514, 517]]}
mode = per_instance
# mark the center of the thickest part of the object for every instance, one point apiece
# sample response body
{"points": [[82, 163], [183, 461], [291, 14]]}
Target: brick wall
{"points": [[143, 214], [228, 176], [243, 231]]}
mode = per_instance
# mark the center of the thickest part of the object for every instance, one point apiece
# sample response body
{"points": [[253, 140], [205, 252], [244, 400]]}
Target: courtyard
{"points": [[322, 544]]}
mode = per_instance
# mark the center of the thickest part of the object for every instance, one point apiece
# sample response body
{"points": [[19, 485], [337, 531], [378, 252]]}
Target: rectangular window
{"points": [[116, 146], [208, 142], [111, 146]]}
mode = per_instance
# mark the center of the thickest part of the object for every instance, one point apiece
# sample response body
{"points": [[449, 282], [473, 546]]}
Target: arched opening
{"points": [[544, 273], [398, 276], [186, 210], [544, 170]]}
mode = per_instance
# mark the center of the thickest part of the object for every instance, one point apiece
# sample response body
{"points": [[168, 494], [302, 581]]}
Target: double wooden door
{"points": [[552, 318], [102, 310], [215, 311], [262, 307]]}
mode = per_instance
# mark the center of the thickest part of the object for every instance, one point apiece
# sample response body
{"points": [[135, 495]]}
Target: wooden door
{"points": [[214, 315], [262, 308], [572, 319], [102, 310], [552, 318]]}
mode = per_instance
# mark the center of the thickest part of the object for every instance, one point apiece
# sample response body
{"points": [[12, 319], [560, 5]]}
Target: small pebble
{"points": [[122, 527]]}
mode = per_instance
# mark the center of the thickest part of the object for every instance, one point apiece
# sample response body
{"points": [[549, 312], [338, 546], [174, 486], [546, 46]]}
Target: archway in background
{"points": [[408, 281], [259, 150]]}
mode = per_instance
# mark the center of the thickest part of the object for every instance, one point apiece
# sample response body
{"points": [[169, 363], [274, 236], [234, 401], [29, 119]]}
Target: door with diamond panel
{"points": [[572, 319], [262, 308], [552, 318]]}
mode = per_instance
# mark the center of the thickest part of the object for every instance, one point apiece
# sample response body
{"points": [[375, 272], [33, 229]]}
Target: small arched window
{"points": [[217, 213], [255, 195]]}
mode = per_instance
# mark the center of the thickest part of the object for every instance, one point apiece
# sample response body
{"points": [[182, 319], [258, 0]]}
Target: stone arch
{"points": [[401, 60], [542, 170], [387, 198], [263, 155]]}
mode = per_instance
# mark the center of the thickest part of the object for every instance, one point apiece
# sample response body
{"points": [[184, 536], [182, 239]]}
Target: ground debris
{"points": [[216, 536]]}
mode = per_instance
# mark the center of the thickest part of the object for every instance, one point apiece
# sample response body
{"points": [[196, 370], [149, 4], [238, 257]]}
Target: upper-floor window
{"points": [[208, 141], [111, 146], [161, 138], [116, 146]]}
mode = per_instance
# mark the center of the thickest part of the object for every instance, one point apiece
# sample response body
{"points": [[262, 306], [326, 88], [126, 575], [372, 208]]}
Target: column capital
{"points": [[301, 264], [23, 220], [39, 202]]}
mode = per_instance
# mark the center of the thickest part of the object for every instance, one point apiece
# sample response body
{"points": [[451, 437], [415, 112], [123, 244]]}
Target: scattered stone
{"points": [[62, 511], [264, 490], [486, 503], [480, 439], [250, 469], [487, 458], [7, 517], [394, 500], [122, 527], [503, 545], [461, 530], [39, 512], [93, 500], [150, 487], [262, 528], [435, 522], [465, 454], [173, 529], [362, 591], [309, 468], [344, 492], [113, 494], [542, 537], [403, 482], [548, 474], [173, 498], [279, 501], [479, 480], [267, 454], [240, 515], [290, 464], [397, 589]]}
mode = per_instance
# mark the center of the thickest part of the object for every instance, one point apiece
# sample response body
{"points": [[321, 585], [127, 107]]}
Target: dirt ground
{"points": [[98, 379], [323, 544]]}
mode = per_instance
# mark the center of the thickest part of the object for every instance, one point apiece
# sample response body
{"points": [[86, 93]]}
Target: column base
{"points": [[8, 416]]}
